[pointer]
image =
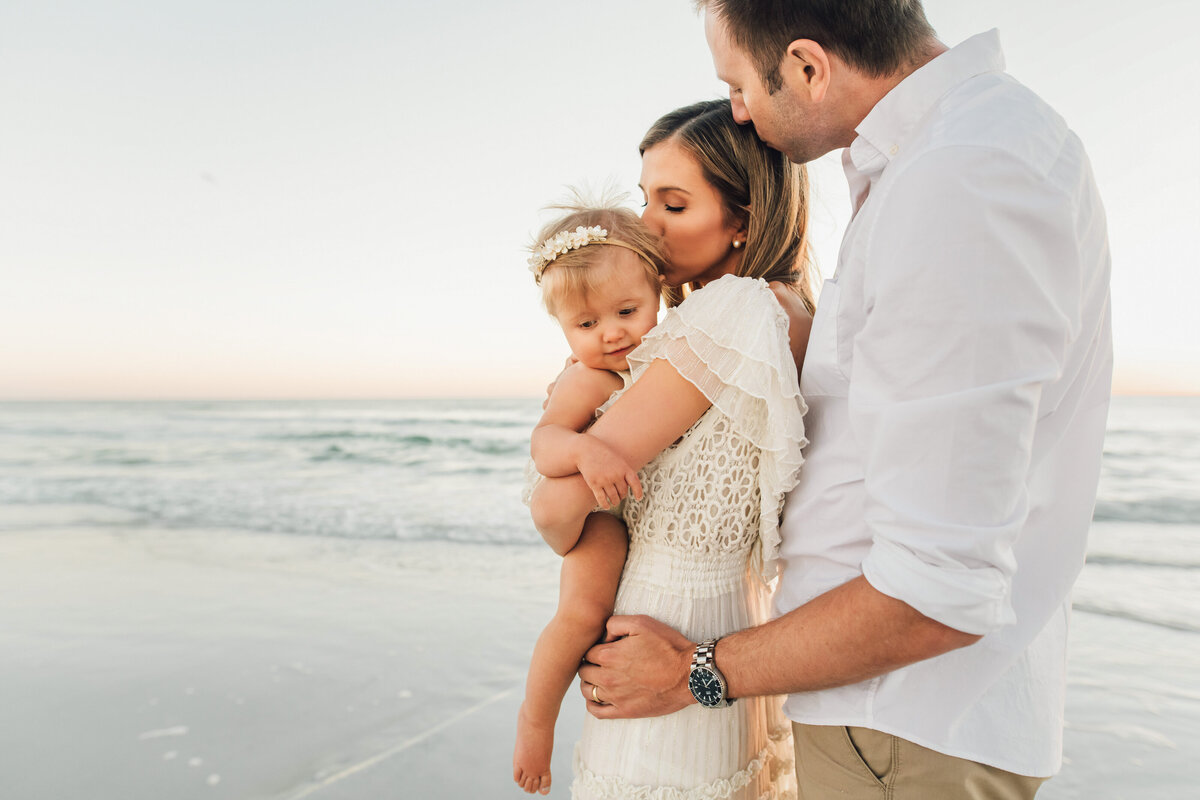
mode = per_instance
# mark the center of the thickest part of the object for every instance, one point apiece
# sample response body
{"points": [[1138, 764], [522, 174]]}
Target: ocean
{"points": [[451, 471], [404, 470]]}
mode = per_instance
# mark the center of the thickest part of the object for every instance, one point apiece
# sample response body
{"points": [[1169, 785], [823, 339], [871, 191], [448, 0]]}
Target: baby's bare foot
{"points": [[531, 756]]}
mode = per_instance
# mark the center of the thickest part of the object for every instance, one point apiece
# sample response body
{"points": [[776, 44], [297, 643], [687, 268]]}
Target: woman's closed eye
{"points": [[670, 208]]}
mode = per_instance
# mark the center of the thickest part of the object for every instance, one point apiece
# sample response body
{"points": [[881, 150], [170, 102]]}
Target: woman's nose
{"points": [[650, 216]]}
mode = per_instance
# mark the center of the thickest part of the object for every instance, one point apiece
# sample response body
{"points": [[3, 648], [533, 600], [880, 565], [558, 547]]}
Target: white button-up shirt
{"points": [[958, 376]]}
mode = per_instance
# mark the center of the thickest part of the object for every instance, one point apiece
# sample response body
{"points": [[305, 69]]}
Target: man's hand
{"points": [[640, 670], [607, 474]]}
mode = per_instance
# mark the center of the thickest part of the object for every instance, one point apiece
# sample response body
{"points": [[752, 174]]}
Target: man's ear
{"points": [[806, 68]]}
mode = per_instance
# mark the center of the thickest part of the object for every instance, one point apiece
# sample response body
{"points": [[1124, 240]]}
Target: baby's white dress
{"points": [[702, 546]]}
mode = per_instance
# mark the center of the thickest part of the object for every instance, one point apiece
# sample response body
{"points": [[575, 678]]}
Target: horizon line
{"points": [[386, 398]]}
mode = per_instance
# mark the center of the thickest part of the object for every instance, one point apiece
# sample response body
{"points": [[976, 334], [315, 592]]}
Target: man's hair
{"points": [[875, 37]]}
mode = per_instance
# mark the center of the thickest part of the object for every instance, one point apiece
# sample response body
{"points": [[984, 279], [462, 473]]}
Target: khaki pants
{"points": [[863, 764]]}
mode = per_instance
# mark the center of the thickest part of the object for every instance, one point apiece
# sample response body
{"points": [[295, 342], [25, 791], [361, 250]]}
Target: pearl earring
{"points": [[736, 244]]}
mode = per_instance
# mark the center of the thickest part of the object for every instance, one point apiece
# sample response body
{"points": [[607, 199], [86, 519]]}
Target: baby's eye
{"points": [[588, 324], [625, 312]]}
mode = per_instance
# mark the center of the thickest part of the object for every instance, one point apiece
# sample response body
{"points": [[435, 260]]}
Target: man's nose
{"points": [[740, 115]]}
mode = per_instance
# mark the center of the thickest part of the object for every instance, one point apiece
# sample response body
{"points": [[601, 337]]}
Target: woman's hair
{"points": [[758, 186], [875, 37], [572, 274]]}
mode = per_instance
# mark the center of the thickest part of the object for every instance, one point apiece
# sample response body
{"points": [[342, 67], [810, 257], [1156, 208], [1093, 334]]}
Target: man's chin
{"points": [[791, 154], [800, 156]]}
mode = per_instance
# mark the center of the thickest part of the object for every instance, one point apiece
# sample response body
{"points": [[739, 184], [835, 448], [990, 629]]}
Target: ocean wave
{"points": [[334, 507], [442, 469], [335, 453], [63, 433], [418, 440], [119, 458], [1137, 616], [1121, 560], [477, 444], [1163, 510]]}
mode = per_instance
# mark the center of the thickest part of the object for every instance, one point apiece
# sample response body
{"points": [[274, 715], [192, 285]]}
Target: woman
{"points": [[715, 188], [713, 423]]}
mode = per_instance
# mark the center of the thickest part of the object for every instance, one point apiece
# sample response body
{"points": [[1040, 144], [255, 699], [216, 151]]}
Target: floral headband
{"points": [[565, 241]]}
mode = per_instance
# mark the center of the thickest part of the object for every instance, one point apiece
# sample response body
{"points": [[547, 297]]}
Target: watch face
{"points": [[706, 687]]}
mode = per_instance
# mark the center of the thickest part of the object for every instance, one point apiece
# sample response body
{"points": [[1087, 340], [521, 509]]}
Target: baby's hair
{"points": [[571, 273]]}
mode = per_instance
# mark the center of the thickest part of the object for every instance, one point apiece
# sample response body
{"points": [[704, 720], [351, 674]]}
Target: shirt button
{"points": [[895, 149]]}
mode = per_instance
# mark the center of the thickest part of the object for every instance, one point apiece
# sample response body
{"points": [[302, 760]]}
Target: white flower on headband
{"points": [[560, 243]]}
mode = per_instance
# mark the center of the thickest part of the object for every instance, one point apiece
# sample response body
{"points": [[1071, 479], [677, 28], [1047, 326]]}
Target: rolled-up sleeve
{"points": [[968, 318]]}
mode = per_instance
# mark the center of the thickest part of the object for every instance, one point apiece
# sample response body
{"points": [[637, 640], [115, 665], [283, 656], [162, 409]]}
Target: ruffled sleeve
{"points": [[730, 339]]}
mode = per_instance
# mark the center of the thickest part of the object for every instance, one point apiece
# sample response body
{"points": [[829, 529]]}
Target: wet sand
{"points": [[148, 663]]}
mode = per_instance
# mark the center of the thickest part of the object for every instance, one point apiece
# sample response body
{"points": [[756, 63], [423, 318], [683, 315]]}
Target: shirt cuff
{"points": [[971, 600]]}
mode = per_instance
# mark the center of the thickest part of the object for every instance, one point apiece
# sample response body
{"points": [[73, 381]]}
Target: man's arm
{"points": [[846, 635]]}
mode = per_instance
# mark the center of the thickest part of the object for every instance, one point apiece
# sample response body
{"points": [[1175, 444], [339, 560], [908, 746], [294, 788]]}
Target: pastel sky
{"points": [[330, 199]]}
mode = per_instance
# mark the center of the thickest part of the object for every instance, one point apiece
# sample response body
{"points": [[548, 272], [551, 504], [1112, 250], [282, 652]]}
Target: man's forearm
{"points": [[849, 634], [846, 635]]}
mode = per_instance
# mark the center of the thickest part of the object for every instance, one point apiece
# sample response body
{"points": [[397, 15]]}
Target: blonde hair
{"points": [[572, 274], [758, 185]]}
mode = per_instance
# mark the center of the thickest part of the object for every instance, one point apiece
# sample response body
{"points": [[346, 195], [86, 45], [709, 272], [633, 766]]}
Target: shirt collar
{"points": [[885, 130]]}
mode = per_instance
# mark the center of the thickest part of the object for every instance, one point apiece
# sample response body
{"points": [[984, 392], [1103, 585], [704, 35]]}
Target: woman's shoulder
{"points": [[732, 285], [753, 289], [789, 299], [734, 294], [729, 318], [800, 319]]}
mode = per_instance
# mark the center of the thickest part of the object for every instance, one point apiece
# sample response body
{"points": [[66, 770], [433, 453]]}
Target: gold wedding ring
{"points": [[595, 698]]}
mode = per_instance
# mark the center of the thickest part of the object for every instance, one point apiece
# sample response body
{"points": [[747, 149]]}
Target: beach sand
{"points": [[142, 663], [150, 663]]}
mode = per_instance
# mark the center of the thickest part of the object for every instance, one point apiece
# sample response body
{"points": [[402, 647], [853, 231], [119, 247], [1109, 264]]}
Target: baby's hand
{"points": [[607, 474]]}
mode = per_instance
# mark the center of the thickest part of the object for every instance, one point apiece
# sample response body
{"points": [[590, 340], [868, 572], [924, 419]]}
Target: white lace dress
{"points": [[702, 545]]}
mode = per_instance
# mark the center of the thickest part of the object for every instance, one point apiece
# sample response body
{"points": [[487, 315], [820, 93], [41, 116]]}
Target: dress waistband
{"points": [[688, 573]]}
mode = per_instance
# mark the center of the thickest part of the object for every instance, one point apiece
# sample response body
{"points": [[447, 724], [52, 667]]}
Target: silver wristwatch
{"points": [[705, 680]]}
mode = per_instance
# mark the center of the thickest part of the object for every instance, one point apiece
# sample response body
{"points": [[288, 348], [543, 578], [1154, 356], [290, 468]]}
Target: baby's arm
{"points": [[656, 411], [560, 447], [569, 411]]}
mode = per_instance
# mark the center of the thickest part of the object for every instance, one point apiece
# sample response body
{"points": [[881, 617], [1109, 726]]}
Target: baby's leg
{"points": [[591, 571]]}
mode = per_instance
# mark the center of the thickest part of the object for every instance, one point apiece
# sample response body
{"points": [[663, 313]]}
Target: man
{"points": [[958, 375]]}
